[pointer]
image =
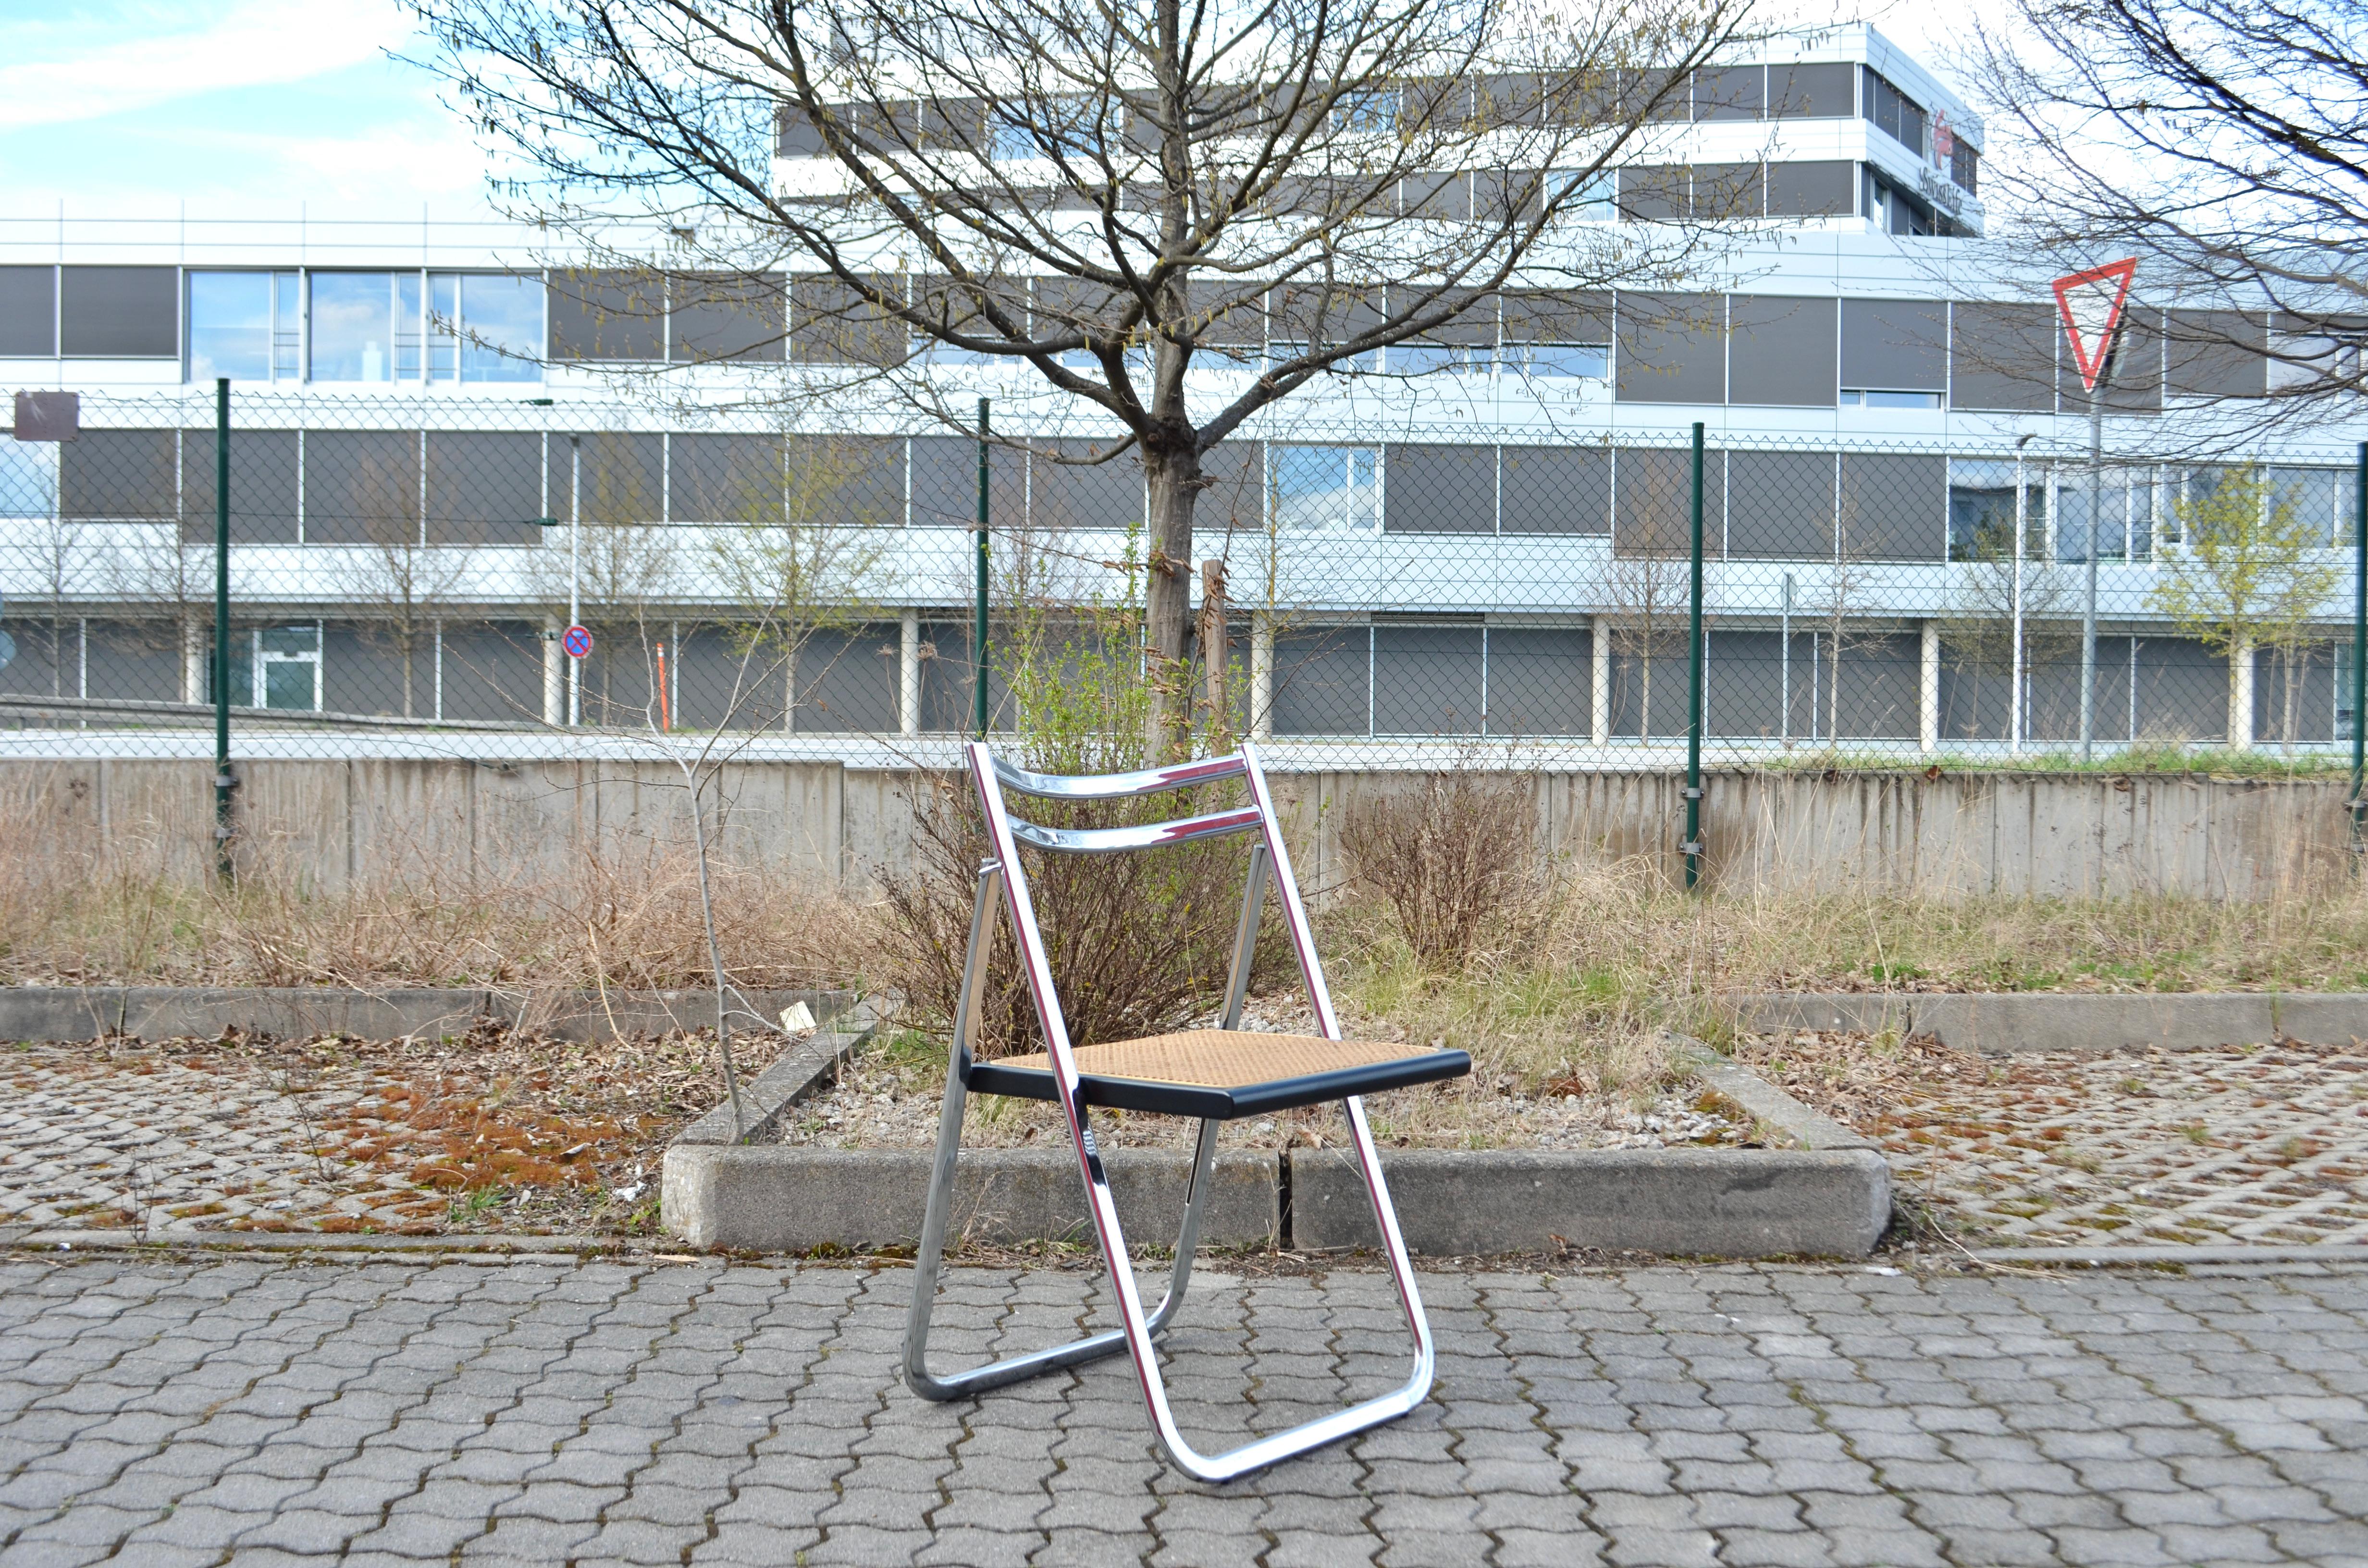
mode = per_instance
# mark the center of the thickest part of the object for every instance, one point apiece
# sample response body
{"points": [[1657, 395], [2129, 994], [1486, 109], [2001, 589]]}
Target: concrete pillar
{"points": [[2240, 695], [908, 673], [1598, 677], [1262, 674], [554, 676], [193, 661], [1928, 690]]}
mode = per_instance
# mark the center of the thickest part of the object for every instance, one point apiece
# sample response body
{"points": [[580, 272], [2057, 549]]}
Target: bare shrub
{"points": [[1455, 858], [1138, 943]]}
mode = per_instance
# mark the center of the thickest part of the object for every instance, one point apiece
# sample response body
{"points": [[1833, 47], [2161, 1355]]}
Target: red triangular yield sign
{"points": [[2090, 304]]}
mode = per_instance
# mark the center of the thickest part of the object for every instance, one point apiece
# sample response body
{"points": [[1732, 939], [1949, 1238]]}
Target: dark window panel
{"points": [[620, 677], [1896, 345], [1439, 489], [1725, 191], [2218, 354], [1733, 92], [1556, 490], [118, 474], [1780, 351], [945, 480], [1743, 686], [1826, 189], [2135, 382], [946, 672], [1069, 495], [794, 135], [726, 478], [727, 316], [28, 312], [1540, 681], [1654, 513], [1556, 317], [1657, 194], [1894, 507], [607, 316], [847, 481], [493, 671], [1658, 95], [1328, 316], [1780, 506], [722, 678], [2002, 357], [364, 664], [1499, 196], [2183, 691], [848, 680], [1444, 197], [2308, 680], [1472, 326], [1825, 91], [1872, 695], [135, 660], [360, 486], [1320, 677], [1235, 493], [48, 661], [1964, 167], [1649, 672], [1427, 680], [831, 324], [120, 313], [1510, 99], [622, 478], [263, 496], [484, 487], [1672, 349]]}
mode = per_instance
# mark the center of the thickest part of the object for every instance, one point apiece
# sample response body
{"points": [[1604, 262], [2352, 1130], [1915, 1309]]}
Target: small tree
{"points": [[398, 580], [2251, 573]]}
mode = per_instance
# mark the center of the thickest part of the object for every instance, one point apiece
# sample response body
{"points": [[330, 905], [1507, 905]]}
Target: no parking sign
{"points": [[577, 641]]}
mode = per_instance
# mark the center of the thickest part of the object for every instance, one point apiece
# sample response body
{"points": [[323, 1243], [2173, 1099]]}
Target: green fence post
{"points": [[1692, 846], [2359, 654], [978, 624], [224, 782]]}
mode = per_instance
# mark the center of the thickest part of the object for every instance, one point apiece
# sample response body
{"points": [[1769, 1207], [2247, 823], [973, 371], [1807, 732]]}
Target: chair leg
{"points": [[1138, 1331], [928, 1259]]}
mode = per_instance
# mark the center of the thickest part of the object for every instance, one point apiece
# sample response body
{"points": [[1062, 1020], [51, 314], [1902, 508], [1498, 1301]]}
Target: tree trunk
{"points": [[2240, 694], [1173, 474]]}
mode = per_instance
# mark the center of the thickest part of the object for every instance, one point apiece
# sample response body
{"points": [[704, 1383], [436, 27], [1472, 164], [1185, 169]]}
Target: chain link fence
{"points": [[403, 573]]}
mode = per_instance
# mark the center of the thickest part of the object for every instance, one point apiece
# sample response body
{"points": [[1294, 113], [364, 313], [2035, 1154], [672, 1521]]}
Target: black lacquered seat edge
{"points": [[1214, 1103]]}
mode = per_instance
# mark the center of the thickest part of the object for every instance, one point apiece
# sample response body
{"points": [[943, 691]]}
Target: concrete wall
{"points": [[335, 824]]}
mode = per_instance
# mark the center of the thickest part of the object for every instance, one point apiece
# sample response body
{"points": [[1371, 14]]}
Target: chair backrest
{"points": [[1006, 832]]}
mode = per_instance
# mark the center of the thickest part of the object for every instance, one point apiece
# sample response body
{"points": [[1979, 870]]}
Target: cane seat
{"points": [[1223, 1075]]}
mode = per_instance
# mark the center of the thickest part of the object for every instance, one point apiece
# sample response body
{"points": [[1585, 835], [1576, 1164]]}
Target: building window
{"points": [[276, 667], [484, 327], [1329, 488], [1877, 397], [366, 326], [245, 326], [1981, 510], [1577, 361]]}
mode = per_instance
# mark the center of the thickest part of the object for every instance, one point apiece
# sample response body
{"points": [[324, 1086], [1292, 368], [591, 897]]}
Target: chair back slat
{"points": [[1117, 786], [1139, 835]]}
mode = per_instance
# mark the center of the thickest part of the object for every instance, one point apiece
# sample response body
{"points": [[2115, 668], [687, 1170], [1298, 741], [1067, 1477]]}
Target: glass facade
{"points": [[245, 326]]}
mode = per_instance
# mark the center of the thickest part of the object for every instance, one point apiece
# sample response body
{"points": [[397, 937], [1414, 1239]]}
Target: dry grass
{"points": [[1581, 991], [69, 917]]}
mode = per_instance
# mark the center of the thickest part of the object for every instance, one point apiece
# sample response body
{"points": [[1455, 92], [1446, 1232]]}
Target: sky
{"points": [[139, 105]]}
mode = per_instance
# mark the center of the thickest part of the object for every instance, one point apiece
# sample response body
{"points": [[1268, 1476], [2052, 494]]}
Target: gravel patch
{"points": [[2260, 1144]]}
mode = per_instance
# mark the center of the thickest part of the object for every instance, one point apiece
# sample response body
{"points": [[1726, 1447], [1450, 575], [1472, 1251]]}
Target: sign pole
{"points": [[225, 780], [1692, 844], [2090, 304], [978, 628], [2088, 594], [574, 571]]}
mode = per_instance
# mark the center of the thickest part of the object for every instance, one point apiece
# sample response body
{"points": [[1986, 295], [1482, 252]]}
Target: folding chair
{"points": [[1213, 1075]]}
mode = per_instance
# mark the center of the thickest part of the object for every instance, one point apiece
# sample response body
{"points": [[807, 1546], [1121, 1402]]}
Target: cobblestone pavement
{"points": [[2260, 1144], [553, 1412]]}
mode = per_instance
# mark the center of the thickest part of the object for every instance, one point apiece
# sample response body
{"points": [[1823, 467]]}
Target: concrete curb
{"points": [[2002, 1023], [799, 1072], [70, 1013], [1829, 1196]]}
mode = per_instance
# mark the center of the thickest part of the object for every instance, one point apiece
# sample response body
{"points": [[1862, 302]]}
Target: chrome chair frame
{"points": [[1002, 880]]}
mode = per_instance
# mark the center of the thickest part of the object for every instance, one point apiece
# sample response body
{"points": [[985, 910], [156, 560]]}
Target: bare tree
{"points": [[1106, 195], [2227, 146], [1647, 584]]}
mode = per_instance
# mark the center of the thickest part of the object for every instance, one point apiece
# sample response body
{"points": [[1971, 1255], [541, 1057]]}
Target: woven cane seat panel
{"points": [[1220, 1058]]}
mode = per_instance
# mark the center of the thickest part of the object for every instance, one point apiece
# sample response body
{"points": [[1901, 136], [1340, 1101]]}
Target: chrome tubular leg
{"points": [[1340, 1424]]}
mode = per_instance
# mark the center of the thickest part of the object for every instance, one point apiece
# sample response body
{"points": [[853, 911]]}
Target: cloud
{"points": [[107, 69]]}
